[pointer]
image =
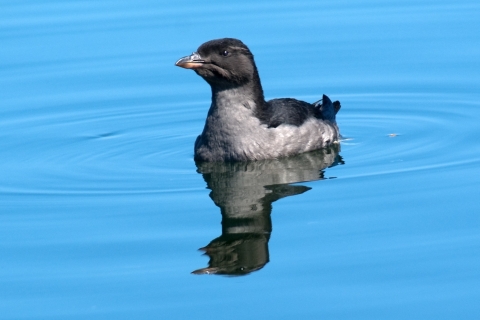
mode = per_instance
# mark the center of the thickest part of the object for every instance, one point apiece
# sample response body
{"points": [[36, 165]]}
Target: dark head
{"points": [[223, 63]]}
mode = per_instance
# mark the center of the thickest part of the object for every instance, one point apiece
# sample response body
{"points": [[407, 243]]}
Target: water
{"points": [[102, 208]]}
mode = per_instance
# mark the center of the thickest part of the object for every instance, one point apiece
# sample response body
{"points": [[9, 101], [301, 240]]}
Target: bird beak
{"points": [[192, 61]]}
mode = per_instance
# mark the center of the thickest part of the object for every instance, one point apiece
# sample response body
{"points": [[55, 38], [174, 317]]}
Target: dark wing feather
{"points": [[327, 108], [289, 111], [296, 112]]}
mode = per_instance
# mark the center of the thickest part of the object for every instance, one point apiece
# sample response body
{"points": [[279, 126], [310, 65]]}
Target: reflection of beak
{"points": [[206, 271], [192, 61]]}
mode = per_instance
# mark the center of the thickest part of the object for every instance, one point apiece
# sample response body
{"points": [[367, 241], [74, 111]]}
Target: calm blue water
{"points": [[102, 208]]}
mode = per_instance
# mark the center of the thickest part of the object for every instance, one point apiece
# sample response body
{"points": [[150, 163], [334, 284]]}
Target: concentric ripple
{"points": [[142, 146], [406, 132]]}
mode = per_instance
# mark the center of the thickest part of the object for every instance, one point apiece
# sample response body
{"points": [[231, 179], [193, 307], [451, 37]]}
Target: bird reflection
{"points": [[244, 191]]}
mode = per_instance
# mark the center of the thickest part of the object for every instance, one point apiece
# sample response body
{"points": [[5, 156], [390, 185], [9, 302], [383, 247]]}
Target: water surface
{"points": [[102, 208]]}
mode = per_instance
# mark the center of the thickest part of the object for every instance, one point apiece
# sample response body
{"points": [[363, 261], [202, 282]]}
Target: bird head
{"points": [[223, 63]]}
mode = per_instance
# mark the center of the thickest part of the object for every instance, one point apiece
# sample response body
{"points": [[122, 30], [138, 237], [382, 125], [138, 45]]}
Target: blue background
{"points": [[101, 207]]}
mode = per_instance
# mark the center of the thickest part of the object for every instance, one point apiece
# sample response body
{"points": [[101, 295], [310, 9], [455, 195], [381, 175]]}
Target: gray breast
{"points": [[233, 133]]}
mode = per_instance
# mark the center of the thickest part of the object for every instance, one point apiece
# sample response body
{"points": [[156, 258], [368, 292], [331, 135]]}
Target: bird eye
{"points": [[225, 53]]}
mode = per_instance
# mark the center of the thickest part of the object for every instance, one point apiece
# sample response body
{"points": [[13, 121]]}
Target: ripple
{"points": [[146, 148], [98, 149], [391, 133]]}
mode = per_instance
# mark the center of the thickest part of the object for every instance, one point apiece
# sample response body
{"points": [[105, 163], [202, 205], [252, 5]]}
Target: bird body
{"points": [[240, 124]]}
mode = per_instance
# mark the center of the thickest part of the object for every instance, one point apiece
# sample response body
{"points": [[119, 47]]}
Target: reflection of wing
{"points": [[244, 191], [280, 191], [299, 168]]}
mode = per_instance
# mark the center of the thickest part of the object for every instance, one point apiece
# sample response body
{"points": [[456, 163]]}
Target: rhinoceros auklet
{"points": [[240, 124]]}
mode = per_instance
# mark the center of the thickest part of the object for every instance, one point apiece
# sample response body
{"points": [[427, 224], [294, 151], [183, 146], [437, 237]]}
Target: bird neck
{"points": [[248, 95]]}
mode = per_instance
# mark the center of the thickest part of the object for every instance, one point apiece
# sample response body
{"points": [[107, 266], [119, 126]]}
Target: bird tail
{"points": [[328, 108]]}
